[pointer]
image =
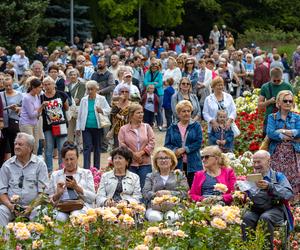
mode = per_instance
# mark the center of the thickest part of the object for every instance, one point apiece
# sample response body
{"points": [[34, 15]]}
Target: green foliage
{"points": [[21, 21], [54, 44]]}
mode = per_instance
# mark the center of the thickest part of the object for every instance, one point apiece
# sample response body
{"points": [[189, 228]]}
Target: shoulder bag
{"points": [[13, 124]]}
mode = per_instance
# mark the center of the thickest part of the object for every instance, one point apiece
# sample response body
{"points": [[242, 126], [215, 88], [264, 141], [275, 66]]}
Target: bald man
{"points": [[270, 200]]}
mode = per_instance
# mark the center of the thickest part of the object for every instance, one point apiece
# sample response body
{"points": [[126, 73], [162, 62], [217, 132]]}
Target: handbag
{"points": [[13, 124], [59, 129], [266, 141], [104, 121], [67, 206], [235, 129]]}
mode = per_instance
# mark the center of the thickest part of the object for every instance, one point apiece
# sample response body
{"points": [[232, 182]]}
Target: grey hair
{"points": [[36, 62], [92, 84], [29, 139], [73, 71], [258, 59], [123, 86]]}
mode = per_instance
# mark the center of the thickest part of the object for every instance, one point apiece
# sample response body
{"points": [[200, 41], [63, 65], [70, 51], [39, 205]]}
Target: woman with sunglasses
{"points": [[185, 93], [191, 73], [185, 139], [164, 181], [88, 122], [215, 171], [283, 130]]}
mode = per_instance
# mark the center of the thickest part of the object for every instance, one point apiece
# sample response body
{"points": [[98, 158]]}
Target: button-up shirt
{"points": [[34, 180]]}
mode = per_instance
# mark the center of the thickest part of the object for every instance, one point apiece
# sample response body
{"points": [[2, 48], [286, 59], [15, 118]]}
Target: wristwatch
{"points": [[283, 131]]}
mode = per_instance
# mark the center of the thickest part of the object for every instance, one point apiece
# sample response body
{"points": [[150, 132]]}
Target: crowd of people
{"points": [[112, 96]]}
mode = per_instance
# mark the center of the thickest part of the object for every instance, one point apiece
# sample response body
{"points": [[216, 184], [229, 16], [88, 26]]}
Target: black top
{"points": [[117, 195]]}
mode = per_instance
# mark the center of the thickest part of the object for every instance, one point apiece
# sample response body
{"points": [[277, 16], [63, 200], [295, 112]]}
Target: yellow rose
{"points": [[153, 231], [36, 244], [179, 233], [10, 226], [221, 188], [217, 210], [141, 247], [147, 239], [218, 223], [167, 232], [22, 234]]}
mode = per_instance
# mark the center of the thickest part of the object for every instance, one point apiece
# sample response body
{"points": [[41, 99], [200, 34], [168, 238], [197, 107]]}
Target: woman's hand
{"points": [[71, 183], [179, 152], [138, 156], [228, 124], [99, 110], [215, 125], [110, 202]]}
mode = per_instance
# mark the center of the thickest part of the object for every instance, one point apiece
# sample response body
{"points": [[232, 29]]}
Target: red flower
{"points": [[253, 146]]}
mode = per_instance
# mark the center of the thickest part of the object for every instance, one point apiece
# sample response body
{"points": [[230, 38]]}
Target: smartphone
{"points": [[19, 208], [254, 177], [70, 177]]}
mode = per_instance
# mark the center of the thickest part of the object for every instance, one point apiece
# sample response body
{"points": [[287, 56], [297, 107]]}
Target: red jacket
{"points": [[144, 98], [227, 177], [261, 76]]}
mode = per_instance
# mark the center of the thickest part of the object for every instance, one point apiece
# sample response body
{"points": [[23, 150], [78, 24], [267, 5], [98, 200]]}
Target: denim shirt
{"points": [[228, 136], [292, 122]]}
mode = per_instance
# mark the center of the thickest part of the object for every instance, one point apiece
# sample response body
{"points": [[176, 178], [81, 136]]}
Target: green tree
{"points": [[21, 20]]}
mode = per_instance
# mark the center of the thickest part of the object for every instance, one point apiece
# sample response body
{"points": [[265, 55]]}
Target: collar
{"points": [[278, 116], [33, 158]]}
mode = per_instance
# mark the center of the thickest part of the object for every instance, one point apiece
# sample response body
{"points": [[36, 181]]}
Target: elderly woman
{"points": [[54, 120], [185, 139], [191, 73], [138, 137], [88, 121], [283, 130], [24, 83], [215, 171], [11, 100], [172, 72], [119, 111], [71, 183], [77, 92], [31, 110], [154, 77], [119, 184], [127, 80], [163, 182], [218, 100], [185, 93]]}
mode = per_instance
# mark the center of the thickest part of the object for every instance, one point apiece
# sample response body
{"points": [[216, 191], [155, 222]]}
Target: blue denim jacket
{"points": [[192, 145], [228, 136], [292, 122], [193, 78]]}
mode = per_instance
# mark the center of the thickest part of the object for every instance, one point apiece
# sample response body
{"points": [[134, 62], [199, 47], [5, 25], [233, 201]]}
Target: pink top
{"points": [[227, 177], [137, 140], [182, 130]]}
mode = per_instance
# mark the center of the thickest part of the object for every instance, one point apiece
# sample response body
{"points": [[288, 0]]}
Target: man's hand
{"points": [[271, 101], [262, 184]]}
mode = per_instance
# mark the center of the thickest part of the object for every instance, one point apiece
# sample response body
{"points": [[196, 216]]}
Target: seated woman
{"points": [[72, 182], [216, 171], [163, 182], [119, 184]]}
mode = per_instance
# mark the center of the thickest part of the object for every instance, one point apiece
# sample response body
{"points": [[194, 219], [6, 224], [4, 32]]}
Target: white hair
{"points": [[263, 153], [29, 139], [91, 84], [49, 79], [258, 59]]}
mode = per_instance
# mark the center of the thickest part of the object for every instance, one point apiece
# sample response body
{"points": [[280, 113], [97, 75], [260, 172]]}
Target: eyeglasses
{"points": [[206, 157], [21, 180], [185, 83], [79, 61], [287, 101], [163, 158], [124, 91], [179, 62], [189, 63]]}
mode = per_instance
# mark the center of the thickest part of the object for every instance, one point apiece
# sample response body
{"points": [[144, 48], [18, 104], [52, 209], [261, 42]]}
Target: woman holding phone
{"points": [[88, 121], [71, 183]]}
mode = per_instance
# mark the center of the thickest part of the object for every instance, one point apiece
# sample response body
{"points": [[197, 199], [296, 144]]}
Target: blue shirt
{"points": [[275, 122], [91, 121], [208, 186], [168, 92]]}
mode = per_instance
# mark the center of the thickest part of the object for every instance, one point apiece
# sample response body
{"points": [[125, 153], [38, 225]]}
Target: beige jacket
{"points": [[130, 183]]}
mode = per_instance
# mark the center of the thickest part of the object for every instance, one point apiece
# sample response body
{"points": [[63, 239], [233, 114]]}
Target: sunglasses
{"points": [[185, 83], [21, 180], [276, 81], [287, 101], [206, 157], [80, 61], [124, 91], [189, 63]]}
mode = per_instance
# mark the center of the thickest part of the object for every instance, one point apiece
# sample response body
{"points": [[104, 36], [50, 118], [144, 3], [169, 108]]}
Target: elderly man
{"points": [[269, 91], [24, 175], [261, 72], [269, 198]]}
